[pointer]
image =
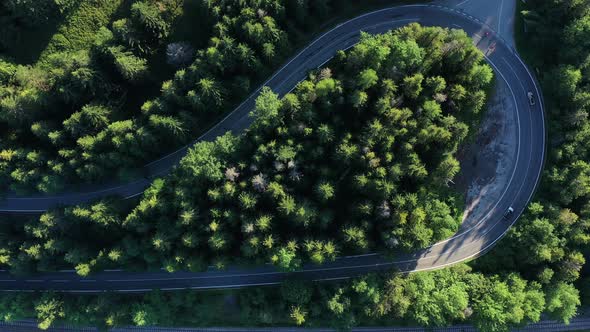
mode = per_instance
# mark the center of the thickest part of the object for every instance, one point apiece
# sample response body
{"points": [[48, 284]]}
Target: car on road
{"points": [[492, 47], [508, 213], [531, 98]]}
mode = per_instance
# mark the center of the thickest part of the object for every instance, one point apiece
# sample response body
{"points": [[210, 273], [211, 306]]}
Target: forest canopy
{"points": [[123, 82], [71, 112], [356, 159]]}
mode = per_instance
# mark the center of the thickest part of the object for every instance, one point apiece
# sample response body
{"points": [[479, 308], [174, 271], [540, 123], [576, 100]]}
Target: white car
{"points": [[531, 98], [508, 213]]}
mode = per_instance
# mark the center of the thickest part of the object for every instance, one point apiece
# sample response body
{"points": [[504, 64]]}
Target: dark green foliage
{"points": [[563, 301], [129, 66], [313, 178], [548, 242], [114, 55], [109, 59], [280, 194], [24, 23], [314, 144], [441, 298]]}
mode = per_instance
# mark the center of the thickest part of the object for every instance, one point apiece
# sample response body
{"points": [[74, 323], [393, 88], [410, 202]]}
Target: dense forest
{"points": [[536, 268], [73, 114], [122, 82], [454, 295], [356, 159], [549, 243]]}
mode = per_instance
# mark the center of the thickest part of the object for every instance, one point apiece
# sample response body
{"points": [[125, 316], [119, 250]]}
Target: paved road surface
{"points": [[469, 244], [498, 15]]}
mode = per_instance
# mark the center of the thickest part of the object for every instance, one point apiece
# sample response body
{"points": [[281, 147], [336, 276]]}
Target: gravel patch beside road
{"points": [[487, 163]]}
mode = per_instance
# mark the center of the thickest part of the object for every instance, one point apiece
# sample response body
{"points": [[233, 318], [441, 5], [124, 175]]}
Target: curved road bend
{"points": [[283, 80], [464, 246]]}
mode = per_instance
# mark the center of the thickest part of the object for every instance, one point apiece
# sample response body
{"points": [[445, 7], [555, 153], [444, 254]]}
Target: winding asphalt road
{"points": [[470, 243]]}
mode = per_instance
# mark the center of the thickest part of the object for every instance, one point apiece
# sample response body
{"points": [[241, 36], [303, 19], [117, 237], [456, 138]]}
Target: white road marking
{"points": [[515, 74], [410, 260], [500, 16], [276, 74], [513, 171], [332, 279], [370, 265], [539, 98], [198, 277]]}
